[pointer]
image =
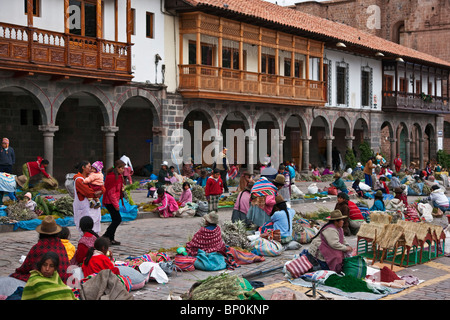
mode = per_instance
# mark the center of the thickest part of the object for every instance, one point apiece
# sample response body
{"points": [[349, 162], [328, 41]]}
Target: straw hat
{"points": [[336, 215], [279, 179], [48, 226], [337, 175], [212, 217], [20, 180]]}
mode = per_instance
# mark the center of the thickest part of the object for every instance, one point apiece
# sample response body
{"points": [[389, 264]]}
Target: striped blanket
{"points": [[39, 287], [263, 187]]}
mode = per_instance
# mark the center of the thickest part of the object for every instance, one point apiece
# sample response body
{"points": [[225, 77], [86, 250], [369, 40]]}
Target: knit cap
{"points": [[98, 165]]}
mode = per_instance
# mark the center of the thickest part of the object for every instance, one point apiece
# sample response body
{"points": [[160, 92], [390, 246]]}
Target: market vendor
{"points": [[329, 247], [33, 168], [263, 199], [208, 238], [339, 183], [282, 219]]}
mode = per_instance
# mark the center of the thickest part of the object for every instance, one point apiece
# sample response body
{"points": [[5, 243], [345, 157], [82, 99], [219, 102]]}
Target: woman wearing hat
{"points": [[48, 241], [329, 247], [163, 175], [282, 218], [438, 198]]}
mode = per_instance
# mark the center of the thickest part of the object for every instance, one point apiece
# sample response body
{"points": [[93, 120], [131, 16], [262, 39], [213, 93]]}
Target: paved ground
{"points": [[151, 233]]}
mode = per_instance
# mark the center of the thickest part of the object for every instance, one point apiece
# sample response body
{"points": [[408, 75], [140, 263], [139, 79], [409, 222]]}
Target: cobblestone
{"points": [[151, 233]]}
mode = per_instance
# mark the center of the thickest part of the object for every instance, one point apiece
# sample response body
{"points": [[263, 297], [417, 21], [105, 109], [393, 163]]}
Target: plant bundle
{"points": [[18, 211], [221, 287], [234, 234]]}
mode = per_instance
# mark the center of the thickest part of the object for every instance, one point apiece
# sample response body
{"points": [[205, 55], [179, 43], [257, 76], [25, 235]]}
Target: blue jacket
{"points": [[291, 172], [7, 157]]}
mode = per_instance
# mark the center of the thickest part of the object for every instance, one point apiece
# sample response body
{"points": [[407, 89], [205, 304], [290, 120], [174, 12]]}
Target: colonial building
{"points": [[319, 83], [156, 80], [420, 25]]}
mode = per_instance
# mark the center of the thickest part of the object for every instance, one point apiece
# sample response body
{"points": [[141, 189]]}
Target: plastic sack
{"points": [[7, 182], [426, 210], [312, 188], [296, 191], [364, 187], [155, 271]]}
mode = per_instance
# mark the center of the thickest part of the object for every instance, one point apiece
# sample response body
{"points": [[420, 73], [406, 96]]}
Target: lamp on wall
{"points": [[341, 45], [157, 59], [379, 54], [399, 59]]}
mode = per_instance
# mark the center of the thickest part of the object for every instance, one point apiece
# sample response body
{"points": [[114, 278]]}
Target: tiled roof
{"points": [[285, 16]]}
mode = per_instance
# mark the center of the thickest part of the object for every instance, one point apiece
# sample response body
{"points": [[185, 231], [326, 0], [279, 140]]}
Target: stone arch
{"points": [[104, 101], [156, 106], [37, 94]]}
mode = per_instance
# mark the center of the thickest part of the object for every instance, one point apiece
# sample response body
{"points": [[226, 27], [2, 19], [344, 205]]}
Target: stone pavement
{"points": [[151, 233]]}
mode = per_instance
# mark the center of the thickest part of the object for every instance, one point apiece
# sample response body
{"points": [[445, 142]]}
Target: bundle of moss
{"points": [[234, 234], [198, 193], [224, 286], [64, 206], [17, 211], [359, 174]]}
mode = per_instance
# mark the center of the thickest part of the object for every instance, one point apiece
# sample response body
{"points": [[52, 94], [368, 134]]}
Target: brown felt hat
{"points": [[279, 199], [336, 215], [279, 179], [48, 226]]}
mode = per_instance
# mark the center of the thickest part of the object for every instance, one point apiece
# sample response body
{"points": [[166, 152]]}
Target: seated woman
{"points": [[44, 282], [168, 207], [208, 238], [282, 218], [438, 198], [378, 204], [99, 258], [339, 183], [329, 247], [48, 241], [399, 194], [359, 192], [87, 240]]}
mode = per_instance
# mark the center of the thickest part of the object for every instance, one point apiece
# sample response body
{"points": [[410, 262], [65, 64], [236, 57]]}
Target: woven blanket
{"points": [[264, 187], [207, 240], [39, 287]]}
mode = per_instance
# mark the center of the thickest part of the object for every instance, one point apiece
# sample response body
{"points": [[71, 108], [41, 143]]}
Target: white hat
{"points": [[164, 163], [359, 164]]}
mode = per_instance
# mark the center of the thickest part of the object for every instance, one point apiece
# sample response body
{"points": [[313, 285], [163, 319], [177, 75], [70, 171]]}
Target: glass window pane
{"points": [[75, 17], [226, 58], [90, 20]]}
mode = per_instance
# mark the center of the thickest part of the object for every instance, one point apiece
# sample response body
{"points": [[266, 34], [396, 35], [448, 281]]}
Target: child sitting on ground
{"points": [[186, 195], [64, 235], [29, 203], [95, 181]]}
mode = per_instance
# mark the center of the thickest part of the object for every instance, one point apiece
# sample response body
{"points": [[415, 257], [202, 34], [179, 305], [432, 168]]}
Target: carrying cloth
{"points": [[82, 208], [355, 266], [104, 286], [212, 261], [263, 187], [7, 182]]}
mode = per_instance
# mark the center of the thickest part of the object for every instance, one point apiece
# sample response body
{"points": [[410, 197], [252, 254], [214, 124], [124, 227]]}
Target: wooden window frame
{"points": [[365, 90], [232, 62], [341, 83], [265, 57], [298, 69], [150, 26], [133, 21], [203, 45], [36, 8]]}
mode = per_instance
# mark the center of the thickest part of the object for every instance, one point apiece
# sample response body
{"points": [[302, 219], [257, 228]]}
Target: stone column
{"points": [[110, 132], [281, 157], [251, 153], [421, 141], [393, 151], [305, 154], [349, 142], [329, 150], [407, 159], [48, 133]]}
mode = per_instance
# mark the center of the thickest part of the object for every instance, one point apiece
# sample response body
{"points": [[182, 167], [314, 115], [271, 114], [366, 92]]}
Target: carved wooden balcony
{"points": [[42, 51], [200, 81], [416, 103]]}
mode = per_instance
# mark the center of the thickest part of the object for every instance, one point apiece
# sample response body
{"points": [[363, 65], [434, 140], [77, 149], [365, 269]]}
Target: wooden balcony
{"points": [[411, 102], [34, 50], [207, 82]]}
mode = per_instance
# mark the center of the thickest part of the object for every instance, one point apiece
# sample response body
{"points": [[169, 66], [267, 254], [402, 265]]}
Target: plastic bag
{"points": [[312, 189], [155, 270]]}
